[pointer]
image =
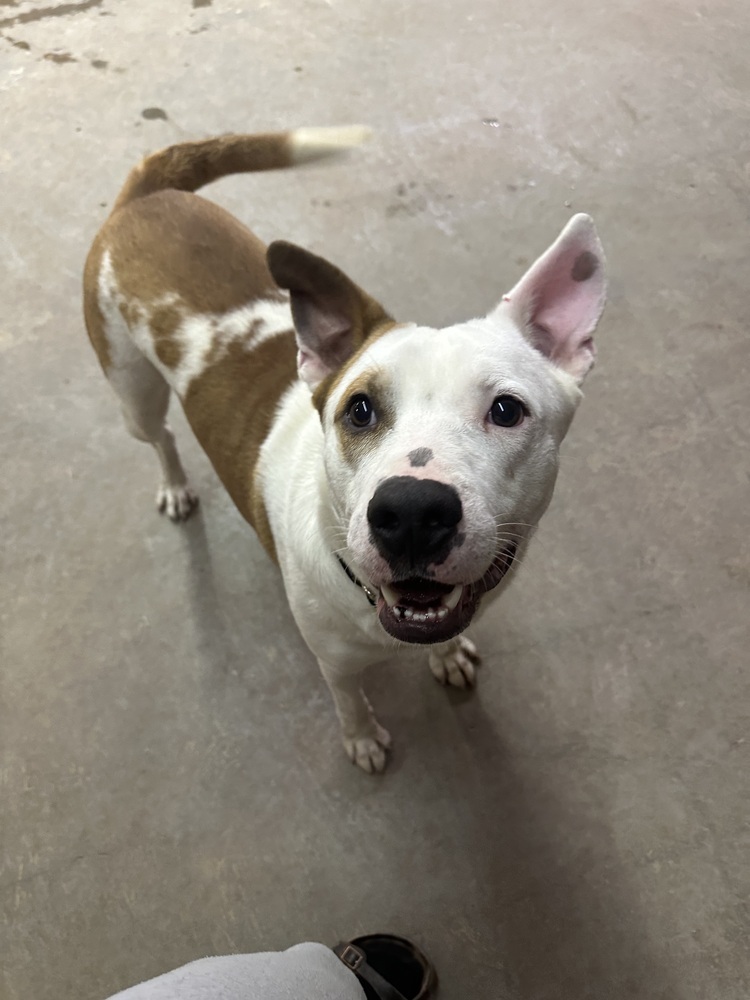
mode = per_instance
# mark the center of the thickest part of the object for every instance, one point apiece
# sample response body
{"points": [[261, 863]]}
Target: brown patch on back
{"points": [[164, 320], [231, 407], [177, 242]]}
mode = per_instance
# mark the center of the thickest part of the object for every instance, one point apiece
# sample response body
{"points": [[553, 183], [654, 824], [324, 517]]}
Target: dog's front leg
{"points": [[455, 663], [365, 740]]}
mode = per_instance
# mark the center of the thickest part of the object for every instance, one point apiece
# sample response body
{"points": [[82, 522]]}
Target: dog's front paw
{"points": [[369, 752], [455, 663], [177, 502]]}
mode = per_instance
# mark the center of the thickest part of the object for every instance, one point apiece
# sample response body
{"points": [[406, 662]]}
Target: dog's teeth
{"points": [[416, 617], [451, 600], [390, 595], [408, 613], [442, 613]]}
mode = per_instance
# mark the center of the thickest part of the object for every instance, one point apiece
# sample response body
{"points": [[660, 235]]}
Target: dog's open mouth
{"points": [[421, 610]]}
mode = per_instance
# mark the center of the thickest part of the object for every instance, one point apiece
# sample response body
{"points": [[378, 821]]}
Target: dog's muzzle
{"points": [[414, 525], [424, 611]]}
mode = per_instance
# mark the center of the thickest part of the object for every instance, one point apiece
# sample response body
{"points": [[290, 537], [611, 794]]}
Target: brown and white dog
{"points": [[394, 472]]}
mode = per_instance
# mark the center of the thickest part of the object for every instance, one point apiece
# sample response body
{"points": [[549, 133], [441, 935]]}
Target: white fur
{"points": [[197, 335], [317, 504], [312, 143]]}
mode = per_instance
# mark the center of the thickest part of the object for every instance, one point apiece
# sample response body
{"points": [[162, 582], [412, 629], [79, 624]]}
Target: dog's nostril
{"points": [[386, 520]]}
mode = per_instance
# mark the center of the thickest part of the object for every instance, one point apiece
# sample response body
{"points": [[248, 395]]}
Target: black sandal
{"points": [[388, 967]]}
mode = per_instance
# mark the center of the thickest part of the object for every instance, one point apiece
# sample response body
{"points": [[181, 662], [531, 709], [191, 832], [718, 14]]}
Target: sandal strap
{"points": [[356, 960]]}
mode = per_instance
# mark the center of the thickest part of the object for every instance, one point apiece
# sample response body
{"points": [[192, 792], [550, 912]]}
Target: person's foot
{"points": [[389, 967]]}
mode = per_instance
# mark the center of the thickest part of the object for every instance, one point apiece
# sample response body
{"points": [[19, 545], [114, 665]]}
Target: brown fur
{"points": [[328, 385], [175, 255], [165, 242], [230, 408], [356, 443], [191, 165], [92, 314], [177, 242], [164, 322], [219, 247]]}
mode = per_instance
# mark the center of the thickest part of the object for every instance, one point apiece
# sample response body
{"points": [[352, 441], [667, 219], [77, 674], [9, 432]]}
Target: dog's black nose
{"points": [[413, 521]]}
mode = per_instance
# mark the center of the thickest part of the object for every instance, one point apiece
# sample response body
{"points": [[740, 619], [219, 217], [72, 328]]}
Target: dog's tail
{"points": [[191, 165]]}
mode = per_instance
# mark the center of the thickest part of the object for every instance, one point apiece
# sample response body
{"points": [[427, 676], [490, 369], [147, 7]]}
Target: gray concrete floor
{"points": [[171, 777]]}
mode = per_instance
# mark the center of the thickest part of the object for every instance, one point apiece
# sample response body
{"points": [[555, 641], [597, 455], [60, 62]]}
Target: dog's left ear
{"points": [[332, 315], [559, 300]]}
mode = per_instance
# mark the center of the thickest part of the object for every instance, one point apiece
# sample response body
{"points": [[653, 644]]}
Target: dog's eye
{"points": [[507, 411], [361, 413]]}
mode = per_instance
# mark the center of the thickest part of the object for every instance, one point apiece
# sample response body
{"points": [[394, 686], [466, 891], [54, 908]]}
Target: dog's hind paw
{"points": [[456, 662], [369, 752], [177, 502]]}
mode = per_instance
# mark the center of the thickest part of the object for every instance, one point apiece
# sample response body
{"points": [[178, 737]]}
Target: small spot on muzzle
{"points": [[420, 457]]}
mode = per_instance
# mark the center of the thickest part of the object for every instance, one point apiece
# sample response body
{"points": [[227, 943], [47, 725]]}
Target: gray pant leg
{"points": [[305, 972]]}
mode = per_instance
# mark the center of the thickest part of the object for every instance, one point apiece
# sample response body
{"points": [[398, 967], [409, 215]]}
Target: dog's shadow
{"points": [[218, 644], [553, 889]]}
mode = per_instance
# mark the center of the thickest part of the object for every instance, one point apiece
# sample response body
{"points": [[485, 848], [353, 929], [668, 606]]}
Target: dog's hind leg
{"points": [[144, 399], [142, 390]]}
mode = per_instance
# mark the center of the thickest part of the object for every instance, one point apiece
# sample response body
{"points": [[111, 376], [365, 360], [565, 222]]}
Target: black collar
{"points": [[368, 593]]}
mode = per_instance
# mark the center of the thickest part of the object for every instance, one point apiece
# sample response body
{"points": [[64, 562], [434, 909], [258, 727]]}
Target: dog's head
{"points": [[442, 445]]}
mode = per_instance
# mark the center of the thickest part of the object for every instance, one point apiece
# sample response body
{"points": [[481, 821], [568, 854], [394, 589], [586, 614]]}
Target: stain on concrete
{"points": [[61, 10], [629, 110], [202, 3], [99, 63], [19, 45], [59, 57], [409, 202], [153, 113]]}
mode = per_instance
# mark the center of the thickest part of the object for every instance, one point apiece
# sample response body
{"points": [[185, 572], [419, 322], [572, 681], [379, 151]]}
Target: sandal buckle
{"points": [[352, 957]]}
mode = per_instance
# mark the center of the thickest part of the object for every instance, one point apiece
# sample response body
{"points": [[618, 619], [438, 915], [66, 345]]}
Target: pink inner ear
{"points": [[566, 308], [560, 298]]}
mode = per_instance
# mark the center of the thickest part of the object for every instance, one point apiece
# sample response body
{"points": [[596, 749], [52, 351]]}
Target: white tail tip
{"points": [[314, 143]]}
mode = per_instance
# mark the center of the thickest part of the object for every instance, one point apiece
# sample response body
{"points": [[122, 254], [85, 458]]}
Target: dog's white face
{"points": [[441, 454], [441, 446]]}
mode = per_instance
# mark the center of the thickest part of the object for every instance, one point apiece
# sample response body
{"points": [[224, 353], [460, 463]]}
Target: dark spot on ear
{"points": [[585, 265], [420, 457]]}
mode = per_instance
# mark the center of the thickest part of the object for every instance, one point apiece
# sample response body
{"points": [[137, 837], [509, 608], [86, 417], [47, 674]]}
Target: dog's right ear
{"points": [[332, 316]]}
